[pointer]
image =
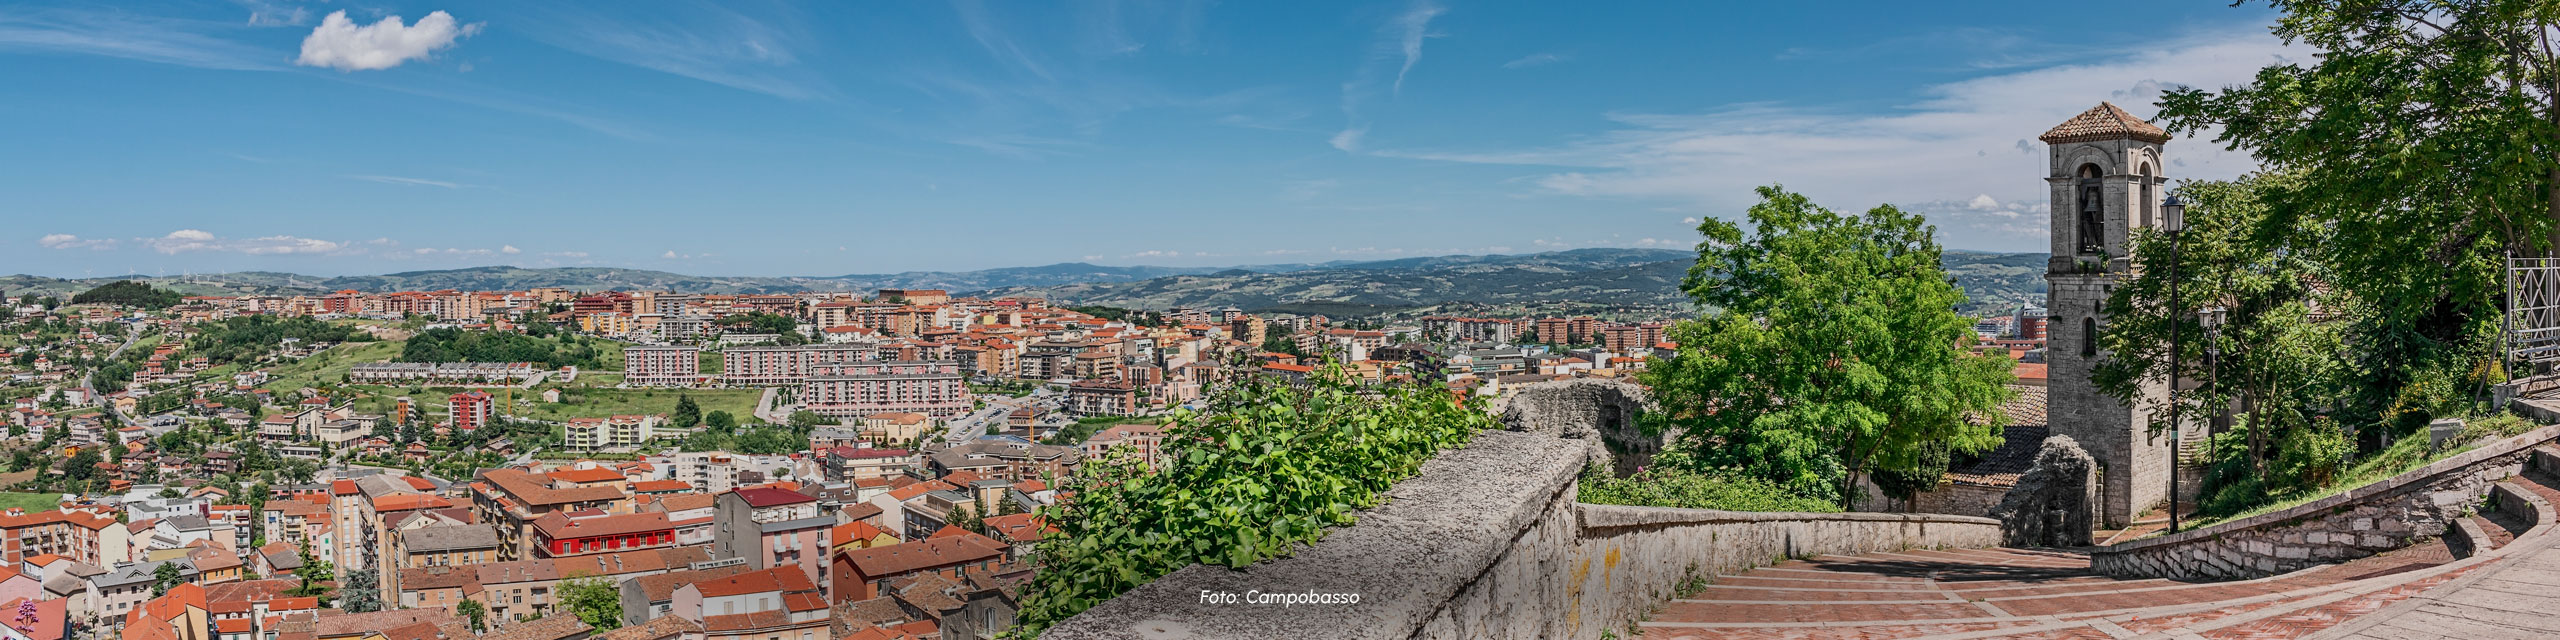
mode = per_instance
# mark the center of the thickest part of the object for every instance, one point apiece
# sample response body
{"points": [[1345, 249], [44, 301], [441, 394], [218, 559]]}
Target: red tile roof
{"points": [[771, 497], [2104, 122]]}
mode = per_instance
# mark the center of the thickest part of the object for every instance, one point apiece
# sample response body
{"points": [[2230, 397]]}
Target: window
{"points": [[2093, 211], [2089, 337]]}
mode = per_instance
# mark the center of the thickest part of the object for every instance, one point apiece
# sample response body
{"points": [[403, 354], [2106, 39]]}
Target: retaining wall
{"points": [[1487, 542], [2383, 516]]}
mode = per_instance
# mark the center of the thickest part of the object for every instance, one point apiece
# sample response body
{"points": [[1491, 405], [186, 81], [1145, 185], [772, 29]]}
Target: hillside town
{"points": [[416, 465]]}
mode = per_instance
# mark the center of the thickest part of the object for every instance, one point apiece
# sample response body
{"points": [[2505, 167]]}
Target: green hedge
{"points": [[1268, 466], [1669, 483]]}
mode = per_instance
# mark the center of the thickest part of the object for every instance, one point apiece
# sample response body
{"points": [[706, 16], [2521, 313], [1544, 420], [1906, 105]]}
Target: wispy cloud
{"points": [[710, 42], [1399, 43], [414, 182], [1976, 136], [121, 35], [267, 13], [1411, 28], [995, 40], [198, 240], [68, 241], [1533, 60]]}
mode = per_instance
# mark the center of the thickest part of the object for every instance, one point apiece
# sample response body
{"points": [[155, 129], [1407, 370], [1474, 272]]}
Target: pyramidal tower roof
{"points": [[2104, 122]]}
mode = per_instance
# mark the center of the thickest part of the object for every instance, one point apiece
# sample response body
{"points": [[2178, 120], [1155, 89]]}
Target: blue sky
{"points": [[747, 138]]}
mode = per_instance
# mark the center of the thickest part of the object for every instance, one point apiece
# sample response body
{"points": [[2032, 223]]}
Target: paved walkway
{"points": [[2515, 599], [2418, 592]]}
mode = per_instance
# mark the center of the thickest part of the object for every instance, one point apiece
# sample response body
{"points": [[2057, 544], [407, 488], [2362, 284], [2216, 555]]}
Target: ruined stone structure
{"points": [[1600, 412], [2053, 501], [2106, 181]]}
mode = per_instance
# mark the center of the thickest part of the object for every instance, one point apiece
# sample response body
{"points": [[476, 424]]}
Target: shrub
{"points": [[1268, 466], [1670, 483]]}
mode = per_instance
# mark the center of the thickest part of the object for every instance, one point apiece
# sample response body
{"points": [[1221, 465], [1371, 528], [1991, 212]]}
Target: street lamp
{"points": [[2173, 220]]}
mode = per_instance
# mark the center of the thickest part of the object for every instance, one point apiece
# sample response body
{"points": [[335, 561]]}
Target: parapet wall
{"points": [[1487, 542], [2382, 516]]}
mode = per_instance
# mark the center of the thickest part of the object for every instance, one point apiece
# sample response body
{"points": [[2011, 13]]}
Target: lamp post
{"points": [[2212, 318], [2173, 220]]}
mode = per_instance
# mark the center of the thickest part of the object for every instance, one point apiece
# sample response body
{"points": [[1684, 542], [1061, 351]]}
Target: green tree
{"points": [[2268, 357], [1833, 350], [809, 419], [595, 600], [361, 592], [967, 519], [165, 577], [687, 414], [476, 612], [721, 421], [2426, 140]]}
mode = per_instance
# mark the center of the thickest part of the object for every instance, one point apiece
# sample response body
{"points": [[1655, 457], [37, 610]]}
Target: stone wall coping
{"points": [[1436, 533], [1610, 516], [2458, 462]]}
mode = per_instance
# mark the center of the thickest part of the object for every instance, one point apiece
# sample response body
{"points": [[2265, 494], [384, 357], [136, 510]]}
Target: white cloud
{"points": [[338, 43], [1961, 144], [509, 249], [1533, 60], [68, 241]]}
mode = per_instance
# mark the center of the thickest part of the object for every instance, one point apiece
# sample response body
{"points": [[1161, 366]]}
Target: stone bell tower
{"points": [[2106, 181]]}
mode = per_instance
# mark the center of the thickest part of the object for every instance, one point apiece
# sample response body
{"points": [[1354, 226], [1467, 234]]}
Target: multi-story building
{"points": [[1102, 398], [756, 605], [616, 431], [934, 388], [1143, 440], [786, 366], [661, 366], [471, 410], [860, 574], [512, 500], [1006, 458], [85, 536], [560, 535], [771, 528]]}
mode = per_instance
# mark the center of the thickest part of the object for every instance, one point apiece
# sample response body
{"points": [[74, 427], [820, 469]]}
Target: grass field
{"points": [[330, 365], [600, 403], [578, 400], [32, 502]]}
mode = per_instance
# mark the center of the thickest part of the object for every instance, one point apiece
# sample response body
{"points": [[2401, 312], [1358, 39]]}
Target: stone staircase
{"points": [[2028, 593]]}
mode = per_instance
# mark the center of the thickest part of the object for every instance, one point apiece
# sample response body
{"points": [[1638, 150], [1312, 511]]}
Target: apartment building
{"points": [[786, 365], [84, 536], [616, 431], [561, 535], [661, 366], [930, 387], [771, 528], [471, 410], [1102, 398], [513, 500]]}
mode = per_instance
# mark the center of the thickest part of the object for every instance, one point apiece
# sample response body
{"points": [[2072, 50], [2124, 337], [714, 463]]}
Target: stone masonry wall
{"points": [[2372, 519], [1487, 542]]}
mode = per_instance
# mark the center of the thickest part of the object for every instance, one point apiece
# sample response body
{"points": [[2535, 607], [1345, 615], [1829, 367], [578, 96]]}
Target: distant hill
{"points": [[1645, 280], [1626, 278]]}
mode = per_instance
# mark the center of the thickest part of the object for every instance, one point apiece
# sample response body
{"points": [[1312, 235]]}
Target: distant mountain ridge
{"points": [[1638, 278]]}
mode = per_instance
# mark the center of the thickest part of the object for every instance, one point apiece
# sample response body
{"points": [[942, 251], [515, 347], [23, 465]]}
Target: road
{"points": [[765, 409], [131, 334], [968, 427]]}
